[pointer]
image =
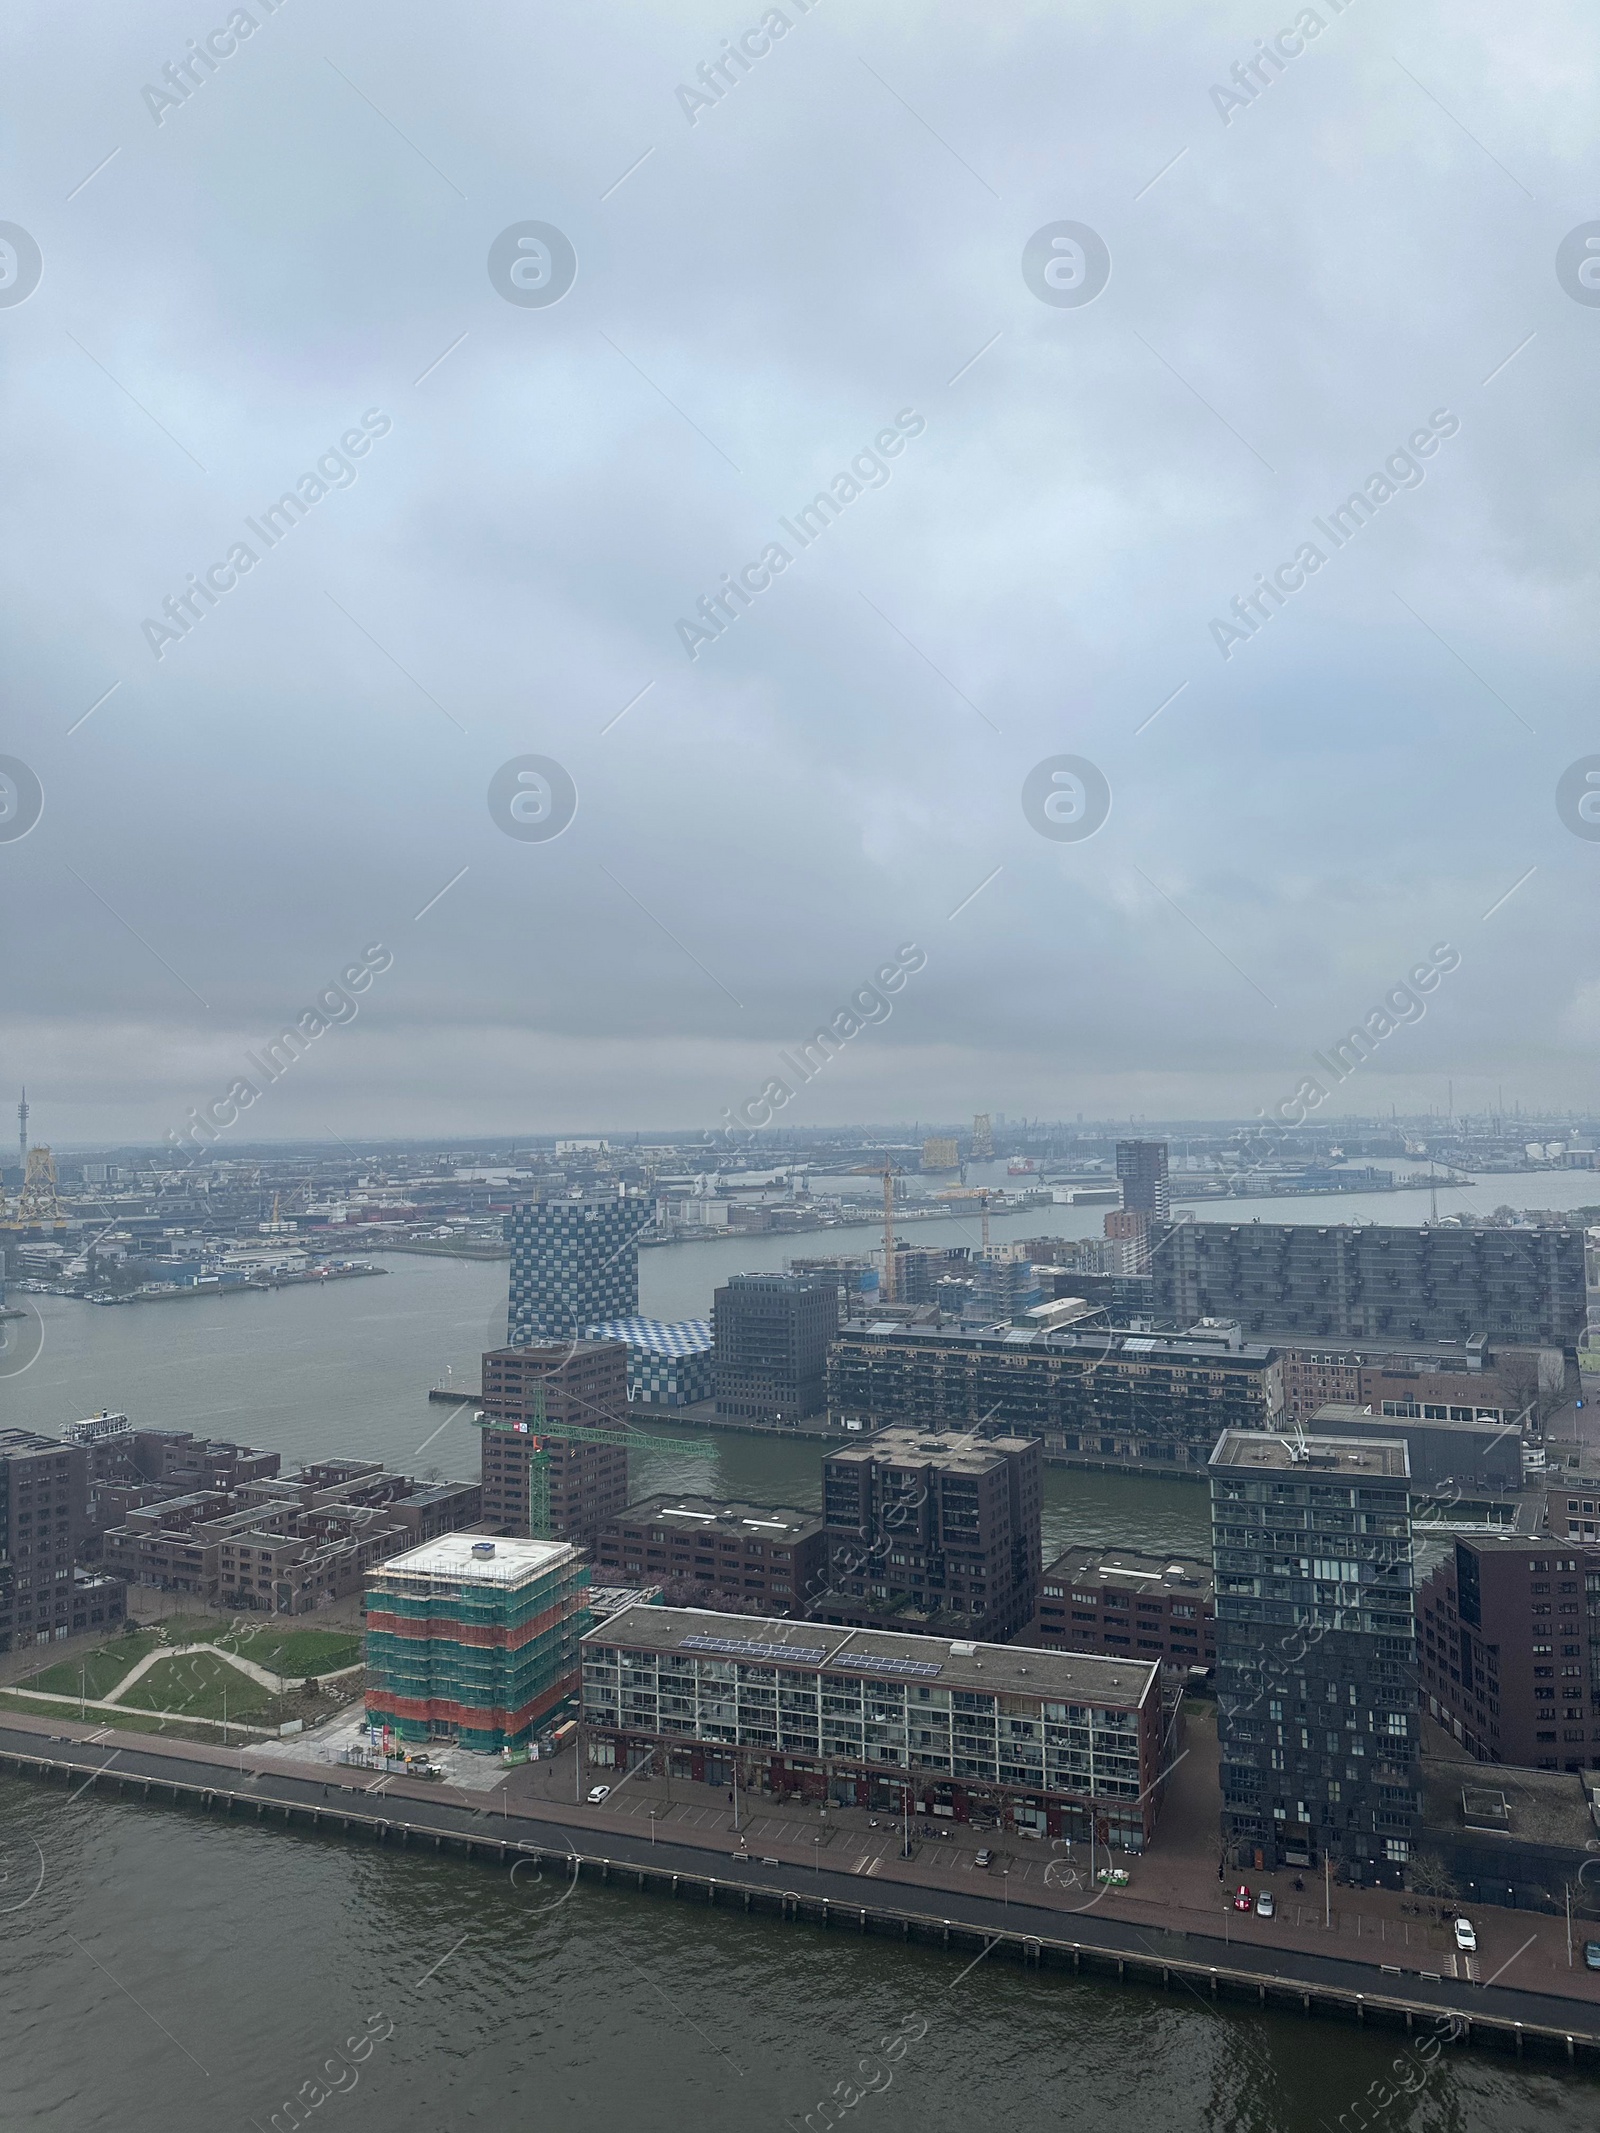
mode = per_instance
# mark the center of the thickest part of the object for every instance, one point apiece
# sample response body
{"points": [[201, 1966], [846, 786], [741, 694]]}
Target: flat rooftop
{"points": [[1102, 1343], [1008, 1669], [1331, 1420], [956, 1451], [1130, 1567], [1315, 1457], [454, 1556], [698, 1514]]}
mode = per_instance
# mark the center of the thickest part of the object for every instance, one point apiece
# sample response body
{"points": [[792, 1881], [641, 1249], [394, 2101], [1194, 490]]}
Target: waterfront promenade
{"points": [[1362, 1964]]}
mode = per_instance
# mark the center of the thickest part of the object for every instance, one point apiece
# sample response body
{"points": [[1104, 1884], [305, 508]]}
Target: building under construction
{"points": [[473, 1640]]}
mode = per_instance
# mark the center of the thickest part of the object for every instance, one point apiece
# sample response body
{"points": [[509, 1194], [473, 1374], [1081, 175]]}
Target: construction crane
{"points": [[538, 1427], [888, 1172], [983, 1202]]}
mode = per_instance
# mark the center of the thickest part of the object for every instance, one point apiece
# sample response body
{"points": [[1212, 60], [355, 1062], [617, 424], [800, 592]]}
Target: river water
{"points": [[177, 1974]]}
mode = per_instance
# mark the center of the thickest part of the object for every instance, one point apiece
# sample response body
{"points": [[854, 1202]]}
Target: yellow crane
{"points": [[889, 1174]]}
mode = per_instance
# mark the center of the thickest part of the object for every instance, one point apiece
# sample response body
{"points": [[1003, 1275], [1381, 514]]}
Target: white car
{"points": [[1466, 1939], [597, 1793]]}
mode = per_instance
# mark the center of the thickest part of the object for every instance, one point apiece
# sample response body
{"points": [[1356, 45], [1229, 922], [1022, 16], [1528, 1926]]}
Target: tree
{"points": [[1430, 1876]]}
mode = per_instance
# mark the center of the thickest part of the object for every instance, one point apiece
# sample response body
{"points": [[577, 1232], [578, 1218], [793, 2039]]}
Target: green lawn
{"points": [[102, 1669], [295, 1652], [128, 1721], [197, 1683]]}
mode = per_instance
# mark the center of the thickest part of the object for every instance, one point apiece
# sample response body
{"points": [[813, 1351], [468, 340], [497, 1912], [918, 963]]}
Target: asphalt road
{"points": [[595, 1839]]}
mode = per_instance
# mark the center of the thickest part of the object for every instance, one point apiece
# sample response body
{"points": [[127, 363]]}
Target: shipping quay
{"points": [[566, 1846]]}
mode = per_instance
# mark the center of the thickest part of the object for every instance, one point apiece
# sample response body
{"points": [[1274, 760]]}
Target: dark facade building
{"points": [[1510, 1651], [283, 1545], [728, 1556], [929, 1530], [44, 1501], [1332, 1281], [574, 1263], [1118, 1600], [1099, 1397], [553, 1487], [772, 1333], [1056, 1744], [1317, 1714], [1448, 1459], [1142, 1173]]}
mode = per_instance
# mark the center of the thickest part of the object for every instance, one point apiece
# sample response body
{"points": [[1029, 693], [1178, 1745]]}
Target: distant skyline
{"points": [[511, 500]]}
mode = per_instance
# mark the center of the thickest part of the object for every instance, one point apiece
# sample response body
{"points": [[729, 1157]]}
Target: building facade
{"points": [[772, 1335], [1055, 1743], [1317, 1715], [726, 1556], [474, 1641], [574, 1263], [1118, 1600], [1101, 1397], [1452, 1381], [1510, 1650], [287, 1545], [1142, 1174], [44, 1502], [668, 1365], [932, 1531], [554, 1487], [1332, 1281]]}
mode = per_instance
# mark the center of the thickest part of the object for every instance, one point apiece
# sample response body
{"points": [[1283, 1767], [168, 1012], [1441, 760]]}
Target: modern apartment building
{"points": [[1142, 1173], [1119, 1600], [927, 1529], [43, 1523], [1317, 1714], [1055, 1744], [1101, 1396], [1510, 1649], [1449, 1460], [772, 1334], [574, 1263], [474, 1641], [554, 1487], [1322, 1282], [283, 1545], [706, 1553]]}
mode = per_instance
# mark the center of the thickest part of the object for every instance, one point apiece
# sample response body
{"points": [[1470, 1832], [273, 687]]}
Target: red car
{"points": [[1242, 1899]]}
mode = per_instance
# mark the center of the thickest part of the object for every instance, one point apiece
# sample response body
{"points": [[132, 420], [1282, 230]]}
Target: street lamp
{"points": [[816, 1855], [652, 1825]]}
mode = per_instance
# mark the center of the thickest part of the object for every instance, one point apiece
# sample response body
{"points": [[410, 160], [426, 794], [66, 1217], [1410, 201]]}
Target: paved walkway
{"points": [[274, 1683]]}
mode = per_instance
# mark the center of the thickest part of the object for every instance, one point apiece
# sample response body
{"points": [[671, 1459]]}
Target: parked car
{"points": [[1466, 1939], [597, 1793], [1265, 1907], [1242, 1898], [984, 1858], [1591, 1954]]}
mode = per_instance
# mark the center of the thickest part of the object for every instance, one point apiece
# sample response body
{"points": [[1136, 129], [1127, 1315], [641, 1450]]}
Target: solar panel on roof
{"points": [[880, 1663], [750, 1648]]}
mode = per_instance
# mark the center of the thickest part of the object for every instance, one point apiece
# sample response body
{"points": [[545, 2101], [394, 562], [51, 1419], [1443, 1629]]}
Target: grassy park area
{"points": [[197, 1685]]}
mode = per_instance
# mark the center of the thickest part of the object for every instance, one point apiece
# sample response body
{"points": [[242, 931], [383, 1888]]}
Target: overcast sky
{"points": [[1299, 284]]}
